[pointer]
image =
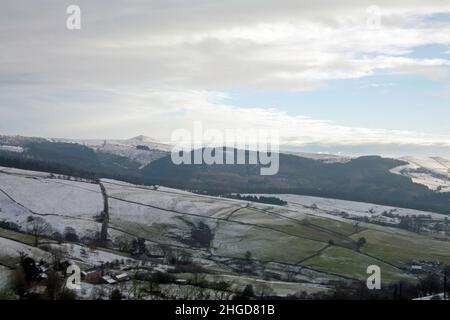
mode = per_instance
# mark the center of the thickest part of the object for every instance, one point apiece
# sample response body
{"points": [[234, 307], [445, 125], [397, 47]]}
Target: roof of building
{"points": [[121, 276], [109, 280]]}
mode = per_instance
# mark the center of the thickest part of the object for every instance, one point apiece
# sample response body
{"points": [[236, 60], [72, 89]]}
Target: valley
{"points": [[204, 246]]}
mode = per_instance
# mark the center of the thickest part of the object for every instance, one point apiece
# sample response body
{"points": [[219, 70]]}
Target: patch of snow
{"points": [[432, 172], [127, 148], [54, 196], [317, 205], [83, 254], [325, 158], [61, 203], [10, 251], [11, 149], [438, 296]]}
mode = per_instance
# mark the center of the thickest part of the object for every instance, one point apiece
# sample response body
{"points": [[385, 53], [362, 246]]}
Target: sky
{"points": [[350, 76]]}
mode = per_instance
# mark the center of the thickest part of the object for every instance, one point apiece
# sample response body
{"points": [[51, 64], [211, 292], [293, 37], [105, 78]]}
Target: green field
{"points": [[400, 248], [267, 246], [17, 236], [351, 264]]}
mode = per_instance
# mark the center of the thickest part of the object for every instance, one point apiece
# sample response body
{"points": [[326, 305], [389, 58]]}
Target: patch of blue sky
{"points": [[430, 51], [404, 102], [437, 17]]}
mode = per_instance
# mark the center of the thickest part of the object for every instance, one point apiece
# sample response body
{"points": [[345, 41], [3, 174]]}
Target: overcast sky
{"points": [[324, 73]]}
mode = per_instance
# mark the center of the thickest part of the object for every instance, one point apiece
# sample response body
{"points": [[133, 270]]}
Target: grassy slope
{"points": [[403, 246], [352, 264], [17, 236], [283, 240]]}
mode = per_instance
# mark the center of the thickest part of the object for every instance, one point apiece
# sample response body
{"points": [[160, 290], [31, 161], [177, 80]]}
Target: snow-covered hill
{"points": [[141, 149], [433, 172], [61, 202], [342, 208], [324, 157]]}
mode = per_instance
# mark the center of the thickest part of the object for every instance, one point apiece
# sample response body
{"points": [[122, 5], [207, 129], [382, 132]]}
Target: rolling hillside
{"points": [[301, 246], [141, 160]]}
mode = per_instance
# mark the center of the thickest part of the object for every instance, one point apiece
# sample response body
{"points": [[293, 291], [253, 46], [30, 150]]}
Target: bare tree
{"points": [[38, 227], [54, 285], [264, 290], [356, 227], [58, 254]]}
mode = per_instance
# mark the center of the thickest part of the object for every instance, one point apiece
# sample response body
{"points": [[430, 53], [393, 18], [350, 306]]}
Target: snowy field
{"points": [[93, 257], [327, 207], [11, 250], [62, 203], [170, 199]]}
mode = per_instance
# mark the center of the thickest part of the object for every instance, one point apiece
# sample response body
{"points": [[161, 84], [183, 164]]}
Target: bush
{"points": [[9, 225], [70, 235], [57, 237], [163, 277], [188, 268]]}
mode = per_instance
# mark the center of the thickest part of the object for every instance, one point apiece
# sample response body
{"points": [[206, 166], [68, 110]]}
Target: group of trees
{"points": [[419, 224], [28, 274], [261, 199], [30, 163], [403, 290], [360, 243], [201, 235], [38, 227]]}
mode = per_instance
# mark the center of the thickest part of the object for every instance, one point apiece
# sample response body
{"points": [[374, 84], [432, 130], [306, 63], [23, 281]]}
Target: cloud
{"points": [[382, 85], [287, 45], [300, 131], [158, 112]]}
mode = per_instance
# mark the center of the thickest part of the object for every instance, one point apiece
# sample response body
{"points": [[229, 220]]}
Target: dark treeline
{"points": [[262, 199], [26, 162], [44, 166]]}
